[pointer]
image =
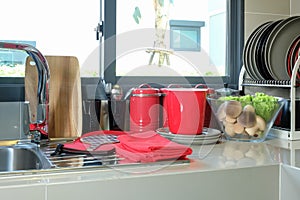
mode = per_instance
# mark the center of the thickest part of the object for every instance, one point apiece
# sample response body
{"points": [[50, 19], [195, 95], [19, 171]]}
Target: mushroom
{"points": [[249, 108], [252, 131], [247, 119], [258, 129], [221, 112], [233, 108], [229, 129], [238, 128], [260, 123], [230, 119]]}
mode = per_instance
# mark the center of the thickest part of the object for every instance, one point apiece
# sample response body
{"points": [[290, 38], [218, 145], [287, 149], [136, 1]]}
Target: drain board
{"points": [[71, 161], [65, 160]]}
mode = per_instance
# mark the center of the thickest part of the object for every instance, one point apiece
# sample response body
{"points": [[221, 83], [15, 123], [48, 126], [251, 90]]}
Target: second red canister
{"points": [[144, 108]]}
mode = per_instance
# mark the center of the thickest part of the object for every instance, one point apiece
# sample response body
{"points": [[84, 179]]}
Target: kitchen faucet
{"points": [[40, 126]]}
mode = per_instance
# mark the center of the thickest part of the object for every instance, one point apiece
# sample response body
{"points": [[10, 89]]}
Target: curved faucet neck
{"points": [[43, 79]]}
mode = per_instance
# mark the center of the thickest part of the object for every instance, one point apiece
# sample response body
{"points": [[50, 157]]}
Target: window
{"points": [[185, 35], [12, 62], [67, 28], [133, 52], [55, 27]]}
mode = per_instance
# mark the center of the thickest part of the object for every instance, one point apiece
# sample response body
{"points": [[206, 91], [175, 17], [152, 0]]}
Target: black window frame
{"points": [[12, 88], [234, 48]]}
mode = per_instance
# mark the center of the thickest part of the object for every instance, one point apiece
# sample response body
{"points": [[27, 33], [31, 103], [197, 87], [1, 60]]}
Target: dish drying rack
{"points": [[292, 84]]}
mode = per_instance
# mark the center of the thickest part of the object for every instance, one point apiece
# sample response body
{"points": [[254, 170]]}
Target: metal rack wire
{"points": [[293, 84]]}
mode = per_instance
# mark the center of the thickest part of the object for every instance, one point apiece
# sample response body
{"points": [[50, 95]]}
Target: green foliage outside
{"points": [[12, 71]]}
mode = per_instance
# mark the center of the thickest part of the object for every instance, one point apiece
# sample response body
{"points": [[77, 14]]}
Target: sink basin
{"points": [[22, 157]]}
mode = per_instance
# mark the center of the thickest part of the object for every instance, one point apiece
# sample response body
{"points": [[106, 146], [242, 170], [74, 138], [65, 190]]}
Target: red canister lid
{"points": [[148, 90], [145, 91]]}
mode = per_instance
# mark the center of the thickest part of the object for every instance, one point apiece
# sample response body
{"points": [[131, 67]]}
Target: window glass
{"points": [[56, 27], [143, 50]]}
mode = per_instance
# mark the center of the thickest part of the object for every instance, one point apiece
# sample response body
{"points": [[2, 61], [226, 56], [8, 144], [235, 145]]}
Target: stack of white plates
{"points": [[267, 54], [208, 136]]}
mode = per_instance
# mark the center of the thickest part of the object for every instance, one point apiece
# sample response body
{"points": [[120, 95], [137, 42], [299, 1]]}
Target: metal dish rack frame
{"points": [[292, 84]]}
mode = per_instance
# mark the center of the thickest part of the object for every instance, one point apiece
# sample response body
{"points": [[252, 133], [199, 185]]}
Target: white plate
{"points": [[193, 142], [209, 136], [207, 132], [278, 43]]}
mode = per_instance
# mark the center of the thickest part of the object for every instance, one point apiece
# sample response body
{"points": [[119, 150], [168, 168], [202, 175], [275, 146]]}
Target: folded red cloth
{"points": [[149, 147]]}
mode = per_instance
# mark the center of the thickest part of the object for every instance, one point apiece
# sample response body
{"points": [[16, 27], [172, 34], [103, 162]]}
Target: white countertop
{"points": [[260, 161], [225, 155]]}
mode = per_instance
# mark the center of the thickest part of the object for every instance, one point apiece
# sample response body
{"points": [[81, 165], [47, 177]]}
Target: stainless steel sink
{"points": [[22, 157]]}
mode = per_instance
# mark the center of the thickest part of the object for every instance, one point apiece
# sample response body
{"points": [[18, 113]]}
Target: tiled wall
{"points": [[295, 7], [260, 11]]}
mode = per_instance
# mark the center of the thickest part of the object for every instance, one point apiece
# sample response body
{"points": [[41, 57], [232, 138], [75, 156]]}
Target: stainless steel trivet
{"points": [[97, 140]]}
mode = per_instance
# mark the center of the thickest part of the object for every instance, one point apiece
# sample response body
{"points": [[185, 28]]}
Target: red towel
{"points": [[149, 147]]}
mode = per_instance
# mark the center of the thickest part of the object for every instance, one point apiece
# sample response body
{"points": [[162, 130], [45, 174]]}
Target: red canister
{"points": [[208, 110], [144, 108], [186, 110], [164, 93]]}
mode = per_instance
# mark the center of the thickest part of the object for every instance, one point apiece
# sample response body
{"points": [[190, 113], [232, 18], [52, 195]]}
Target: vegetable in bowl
{"points": [[246, 118], [264, 104]]}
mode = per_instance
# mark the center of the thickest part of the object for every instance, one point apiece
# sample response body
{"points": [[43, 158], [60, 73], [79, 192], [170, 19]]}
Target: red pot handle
{"points": [[145, 84], [202, 85], [174, 85]]}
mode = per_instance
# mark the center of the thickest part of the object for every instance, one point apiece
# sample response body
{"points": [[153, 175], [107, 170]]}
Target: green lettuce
{"points": [[264, 104]]}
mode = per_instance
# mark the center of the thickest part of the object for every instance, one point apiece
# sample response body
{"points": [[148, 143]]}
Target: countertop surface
{"points": [[214, 157], [268, 168], [210, 157]]}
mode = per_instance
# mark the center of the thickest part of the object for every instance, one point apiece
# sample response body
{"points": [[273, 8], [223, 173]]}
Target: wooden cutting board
{"points": [[65, 101]]}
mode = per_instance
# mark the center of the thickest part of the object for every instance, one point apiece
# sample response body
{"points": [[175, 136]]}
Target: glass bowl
{"points": [[246, 118]]}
